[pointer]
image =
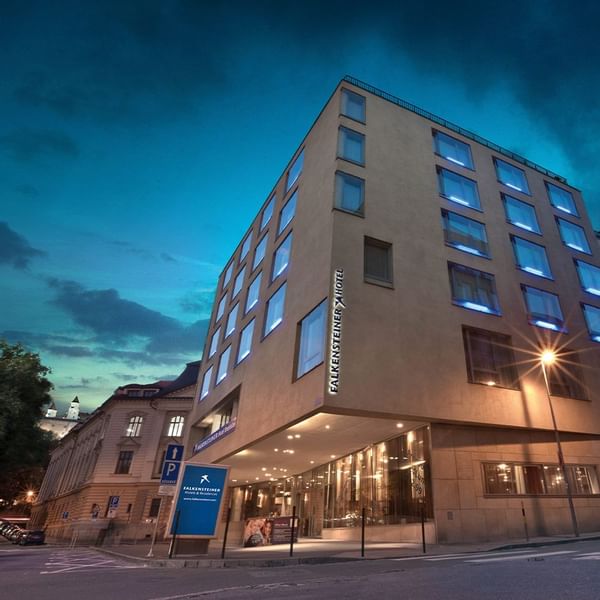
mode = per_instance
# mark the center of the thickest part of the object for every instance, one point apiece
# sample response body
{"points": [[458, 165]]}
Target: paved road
{"points": [[560, 572]]}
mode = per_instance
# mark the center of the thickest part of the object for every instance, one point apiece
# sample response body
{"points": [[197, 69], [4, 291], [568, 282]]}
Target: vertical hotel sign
{"points": [[335, 334]]}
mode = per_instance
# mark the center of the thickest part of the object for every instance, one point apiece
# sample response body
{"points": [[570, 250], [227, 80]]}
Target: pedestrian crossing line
{"points": [[520, 556], [479, 555], [588, 556]]}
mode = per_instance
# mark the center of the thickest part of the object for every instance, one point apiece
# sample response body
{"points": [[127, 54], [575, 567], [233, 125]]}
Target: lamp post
{"points": [[547, 359]]}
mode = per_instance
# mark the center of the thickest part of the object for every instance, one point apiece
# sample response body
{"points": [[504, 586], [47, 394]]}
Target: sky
{"points": [[138, 140]]}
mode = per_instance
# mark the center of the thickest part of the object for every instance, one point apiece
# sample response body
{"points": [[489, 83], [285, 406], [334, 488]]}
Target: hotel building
{"points": [[376, 337]]}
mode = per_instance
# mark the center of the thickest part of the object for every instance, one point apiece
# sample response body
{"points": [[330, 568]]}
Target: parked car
{"points": [[15, 534], [32, 536], [7, 530]]}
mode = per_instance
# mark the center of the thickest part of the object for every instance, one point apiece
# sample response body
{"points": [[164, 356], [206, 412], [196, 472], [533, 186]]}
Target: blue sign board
{"points": [[113, 503], [199, 501], [171, 464], [214, 437]]}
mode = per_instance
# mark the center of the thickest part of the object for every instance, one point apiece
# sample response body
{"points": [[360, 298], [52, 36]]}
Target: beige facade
{"points": [[116, 453], [408, 351]]}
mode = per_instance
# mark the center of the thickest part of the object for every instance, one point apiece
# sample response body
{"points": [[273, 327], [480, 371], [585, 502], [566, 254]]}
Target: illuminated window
{"points": [[592, 318], [134, 427], [282, 257], [465, 234], [458, 189], [245, 342], [176, 424], [267, 213], [531, 257], [124, 462], [573, 236], [520, 214], [295, 171], [561, 199], [223, 365], [274, 312], [287, 212], [214, 342], [452, 149], [259, 252], [353, 105], [231, 320], [253, 293], [228, 273], [511, 176], [349, 193], [473, 289], [589, 276], [206, 383], [378, 261], [543, 308], [351, 145], [565, 377], [221, 307], [245, 246], [311, 348], [490, 358], [238, 283]]}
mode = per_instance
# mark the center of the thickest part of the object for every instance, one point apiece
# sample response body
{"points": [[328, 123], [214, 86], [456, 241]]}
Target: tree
{"points": [[24, 447]]}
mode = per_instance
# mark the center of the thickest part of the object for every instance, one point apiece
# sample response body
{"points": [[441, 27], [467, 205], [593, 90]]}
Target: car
{"points": [[7, 530], [31, 536], [15, 534]]}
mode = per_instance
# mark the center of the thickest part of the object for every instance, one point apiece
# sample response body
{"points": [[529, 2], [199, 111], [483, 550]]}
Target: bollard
{"points": [[362, 534], [293, 527]]}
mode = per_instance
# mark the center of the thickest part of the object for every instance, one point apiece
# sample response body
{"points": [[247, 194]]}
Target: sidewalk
{"points": [[315, 551]]}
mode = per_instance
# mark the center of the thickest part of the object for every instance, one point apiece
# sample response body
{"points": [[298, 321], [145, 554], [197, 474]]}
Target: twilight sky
{"points": [[138, 139]]}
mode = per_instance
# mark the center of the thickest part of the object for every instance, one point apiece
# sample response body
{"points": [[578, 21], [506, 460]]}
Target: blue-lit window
{"points": [[459, 189], [221, 307], [259, 252], [520, 214], [245, 342], [452, 149], [223, 365], [295, 171], [473, 289], [465, 234], [592, 318], [351, 145], [267, 213], [282, 257], [353, 105], [349, 193], [238, 283], [274, 313], [511, 176], [253, 293], [561, 199], [231, 320], [245, 246], [589, 276], [228, 273], [214, 342], [543, 308], [287, 212], [573, 236], [206, 383], [531, 257], [311, 349]]}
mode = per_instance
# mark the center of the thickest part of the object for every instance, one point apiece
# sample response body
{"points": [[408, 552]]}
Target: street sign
{"points": [[114, 503], [171, 464]]}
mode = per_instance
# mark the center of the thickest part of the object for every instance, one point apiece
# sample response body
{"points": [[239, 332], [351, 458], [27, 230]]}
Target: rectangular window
{"points": [[351, 145], [353, 105], [274, 312], [295, 171], [287, 212], [282, 257], [511, 176], [589, 276], [223, 365], [206, 383], [245, 342], [154, 508], [227, 276], [465, 234], [124, 462], [253, 293], [214, 342], [520, 214], [561, 199], [565, 377], [473, 289], [349, 193], [311, 347], [231, 321], [531, 257], [452, 149], [490, 358], [245, 246], [543, 308], [584, 479], [573, 236], [592, 318], [259, 252], [221, 307], [134, 426], [267, 213], [176, 424], [499, 479], [238, 283], [378, 261], [459, 189]]}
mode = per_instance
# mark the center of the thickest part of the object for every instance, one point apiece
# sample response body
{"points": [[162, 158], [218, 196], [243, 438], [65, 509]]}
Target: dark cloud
{"points": [[187, 339], [74, 351], [28, 338], [15, 250], [167, 257], [25, 144], [198, 303]]}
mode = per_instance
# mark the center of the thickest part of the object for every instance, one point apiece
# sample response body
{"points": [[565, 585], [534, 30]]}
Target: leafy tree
{"points": [[24, 447]]}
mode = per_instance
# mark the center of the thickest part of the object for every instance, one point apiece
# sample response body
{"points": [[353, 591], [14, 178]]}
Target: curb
{"points": [[548, 543]]}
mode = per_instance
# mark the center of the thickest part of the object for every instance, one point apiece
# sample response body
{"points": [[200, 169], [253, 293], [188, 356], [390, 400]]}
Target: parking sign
{"points": [[171, 464]]}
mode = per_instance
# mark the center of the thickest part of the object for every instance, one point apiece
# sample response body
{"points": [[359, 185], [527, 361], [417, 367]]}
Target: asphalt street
{"points": [[557, 572]]}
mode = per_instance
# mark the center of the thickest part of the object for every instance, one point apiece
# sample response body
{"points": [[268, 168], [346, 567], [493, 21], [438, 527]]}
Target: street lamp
{"points": [[547, 359]]}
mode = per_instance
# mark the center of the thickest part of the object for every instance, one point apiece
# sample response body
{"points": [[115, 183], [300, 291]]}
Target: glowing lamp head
{"points": [[548, 357]]}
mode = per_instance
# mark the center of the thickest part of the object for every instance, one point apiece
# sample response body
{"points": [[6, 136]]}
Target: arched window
{"points": [[134, 428], [176, 426]]}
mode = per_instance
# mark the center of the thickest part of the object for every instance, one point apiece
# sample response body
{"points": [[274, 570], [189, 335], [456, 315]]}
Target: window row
{"points": [[174, 426]]}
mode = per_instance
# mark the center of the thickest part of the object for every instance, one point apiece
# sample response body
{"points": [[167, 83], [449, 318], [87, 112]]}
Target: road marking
{"points": [[65, 562], [520, 556], [479, 555], [588, 556]]}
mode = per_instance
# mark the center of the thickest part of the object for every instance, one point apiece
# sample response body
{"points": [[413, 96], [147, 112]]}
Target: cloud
{"points": [[25, 144], [199, 303], [27, 190], [15, 250], [74, 351]]}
